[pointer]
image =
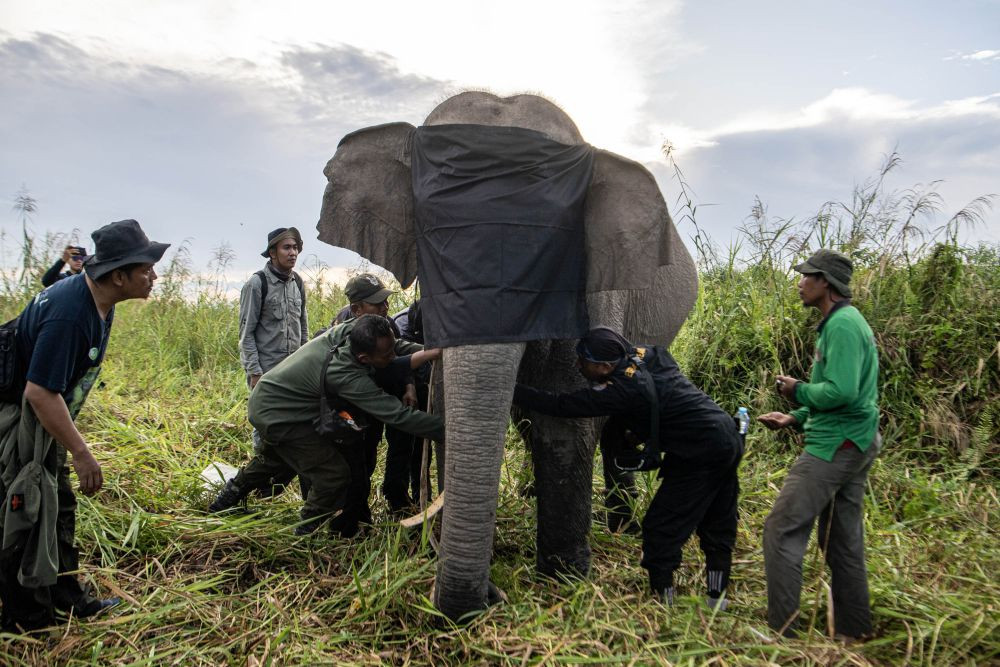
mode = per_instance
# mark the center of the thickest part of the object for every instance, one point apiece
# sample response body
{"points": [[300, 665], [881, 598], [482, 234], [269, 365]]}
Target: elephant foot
{"points": [[622, 523], [462, 609], [561, 568]]}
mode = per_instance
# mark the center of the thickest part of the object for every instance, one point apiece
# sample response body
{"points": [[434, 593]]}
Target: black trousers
{"points": [[693, 498], [401, 484], [619, 485], [361, 460], [33, 608]]}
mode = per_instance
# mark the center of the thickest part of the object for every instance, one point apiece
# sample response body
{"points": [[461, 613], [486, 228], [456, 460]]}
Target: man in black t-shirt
{"points": [[61, 338]]}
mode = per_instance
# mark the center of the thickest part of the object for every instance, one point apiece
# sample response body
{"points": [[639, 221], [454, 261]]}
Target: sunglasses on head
{"points": [[583, 351]]}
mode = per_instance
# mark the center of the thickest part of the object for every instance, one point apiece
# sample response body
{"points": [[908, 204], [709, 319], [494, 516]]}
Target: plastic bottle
{"points": [[743, 416]]}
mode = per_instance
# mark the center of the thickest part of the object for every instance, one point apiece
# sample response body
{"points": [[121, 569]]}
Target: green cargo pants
{"points": [[833, 492], [322, 463]]}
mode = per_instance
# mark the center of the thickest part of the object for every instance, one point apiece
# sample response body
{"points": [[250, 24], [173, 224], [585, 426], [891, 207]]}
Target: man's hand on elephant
{"points": [[254, 379], [785, 384], [418, 359], [777, 420], [410, 396], [88, 470]]}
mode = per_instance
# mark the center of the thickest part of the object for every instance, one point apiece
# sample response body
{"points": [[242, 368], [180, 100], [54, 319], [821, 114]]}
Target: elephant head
{"points": [[639, 280]]}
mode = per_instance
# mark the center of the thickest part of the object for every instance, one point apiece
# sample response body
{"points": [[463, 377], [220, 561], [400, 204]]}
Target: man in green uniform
{"points": [[334, 371], [367, 294], [839, 414]]}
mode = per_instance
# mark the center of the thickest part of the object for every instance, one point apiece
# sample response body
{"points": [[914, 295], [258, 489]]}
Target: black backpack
{"points": [[12, 379], [263, 289]]}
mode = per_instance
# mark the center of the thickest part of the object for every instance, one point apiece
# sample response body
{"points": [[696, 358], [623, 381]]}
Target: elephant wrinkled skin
{"points": [[641, 281]]}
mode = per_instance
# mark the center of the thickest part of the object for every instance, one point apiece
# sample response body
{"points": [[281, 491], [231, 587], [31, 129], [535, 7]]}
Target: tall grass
{"points": [[933, 304], [241, 590]]}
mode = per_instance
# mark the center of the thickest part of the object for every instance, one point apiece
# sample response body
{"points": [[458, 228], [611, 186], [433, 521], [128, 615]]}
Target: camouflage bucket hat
{"points": [[835, 266]]}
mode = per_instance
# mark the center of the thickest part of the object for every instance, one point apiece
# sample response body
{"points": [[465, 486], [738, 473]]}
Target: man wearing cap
{"points": [[839, 414], [691, 440], [73, 258], [368, 295], [61, 338], [273, 328], [273, 324], [332, 374]]}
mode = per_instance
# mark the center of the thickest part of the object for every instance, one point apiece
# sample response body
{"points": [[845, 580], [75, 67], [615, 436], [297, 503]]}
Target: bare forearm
{"points": [[50, 408], [421, 357], [52, 414]]}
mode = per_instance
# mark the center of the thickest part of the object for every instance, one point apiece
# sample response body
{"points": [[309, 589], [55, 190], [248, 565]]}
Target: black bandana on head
{"points": [[603, 345]]}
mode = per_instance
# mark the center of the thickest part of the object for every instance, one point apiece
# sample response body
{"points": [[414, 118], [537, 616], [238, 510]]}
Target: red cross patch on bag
{"points": [[17, 502]]}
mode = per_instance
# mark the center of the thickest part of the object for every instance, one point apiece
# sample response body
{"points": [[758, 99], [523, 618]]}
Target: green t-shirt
{"points": [[840, 401]]}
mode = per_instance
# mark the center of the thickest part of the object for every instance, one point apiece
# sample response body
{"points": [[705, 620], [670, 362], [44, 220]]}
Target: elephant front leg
{"points": [[478, 387]]}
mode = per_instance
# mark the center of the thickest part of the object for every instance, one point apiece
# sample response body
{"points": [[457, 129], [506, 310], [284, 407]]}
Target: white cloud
{"points": [[988, 54], [856, 105], [588, 56]]}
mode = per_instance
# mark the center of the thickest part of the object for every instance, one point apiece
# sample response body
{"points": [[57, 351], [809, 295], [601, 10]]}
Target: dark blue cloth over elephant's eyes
{"points": [[500, 238]]}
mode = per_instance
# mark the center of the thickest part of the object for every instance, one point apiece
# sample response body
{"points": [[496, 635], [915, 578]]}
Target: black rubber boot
{"points": [[230, 496]]}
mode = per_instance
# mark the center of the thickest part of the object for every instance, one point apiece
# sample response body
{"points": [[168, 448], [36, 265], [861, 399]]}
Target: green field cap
{"points": [[835, 266]]}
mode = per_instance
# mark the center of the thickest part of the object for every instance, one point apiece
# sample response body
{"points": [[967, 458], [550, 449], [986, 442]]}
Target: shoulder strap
{"points": [[302, 287], [324, 368], [263, 292], [646, 378], [12, 376]]}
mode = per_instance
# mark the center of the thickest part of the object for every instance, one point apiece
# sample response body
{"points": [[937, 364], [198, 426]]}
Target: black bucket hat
{"points": [[835, 266], [280, 234], [119, 243]]}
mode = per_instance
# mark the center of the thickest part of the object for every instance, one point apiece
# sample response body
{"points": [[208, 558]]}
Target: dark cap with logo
{"points": [[366, 287], [119, 243], [835, 266]]}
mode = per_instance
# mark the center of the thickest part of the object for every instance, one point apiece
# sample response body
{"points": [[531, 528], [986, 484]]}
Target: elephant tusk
{"points": [[423, 516]]}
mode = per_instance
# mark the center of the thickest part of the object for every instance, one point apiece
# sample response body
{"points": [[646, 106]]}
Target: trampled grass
{"points": [[242, 589]]}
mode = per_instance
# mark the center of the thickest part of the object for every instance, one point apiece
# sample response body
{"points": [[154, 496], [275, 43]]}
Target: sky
{"points": [[210, 121]]}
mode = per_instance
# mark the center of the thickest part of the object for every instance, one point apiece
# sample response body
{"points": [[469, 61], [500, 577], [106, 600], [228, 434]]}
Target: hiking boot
{"points": [[665, 596], [230, 496], [96, 607], [719, 603]]}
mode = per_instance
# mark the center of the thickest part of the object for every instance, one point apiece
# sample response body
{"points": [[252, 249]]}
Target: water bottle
{"points": [[743, 417]]}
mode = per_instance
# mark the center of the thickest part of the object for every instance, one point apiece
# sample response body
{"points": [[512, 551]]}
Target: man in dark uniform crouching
{"points": [[694, 443]]}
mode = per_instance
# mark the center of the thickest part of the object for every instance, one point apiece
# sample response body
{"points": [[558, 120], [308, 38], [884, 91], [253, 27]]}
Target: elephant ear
{"points": [[368, 203], [628, 229]]}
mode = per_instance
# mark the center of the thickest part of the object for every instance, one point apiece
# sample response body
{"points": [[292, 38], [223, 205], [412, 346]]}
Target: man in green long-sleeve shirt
{"points": [[839, 415], [285, 407]]}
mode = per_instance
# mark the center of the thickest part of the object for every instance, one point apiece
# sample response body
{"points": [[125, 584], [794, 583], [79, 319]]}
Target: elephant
{"points": [[640, 280]]}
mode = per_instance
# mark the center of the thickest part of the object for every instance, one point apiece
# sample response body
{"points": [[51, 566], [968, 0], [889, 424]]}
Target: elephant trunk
{"points": [[479, 385]]}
